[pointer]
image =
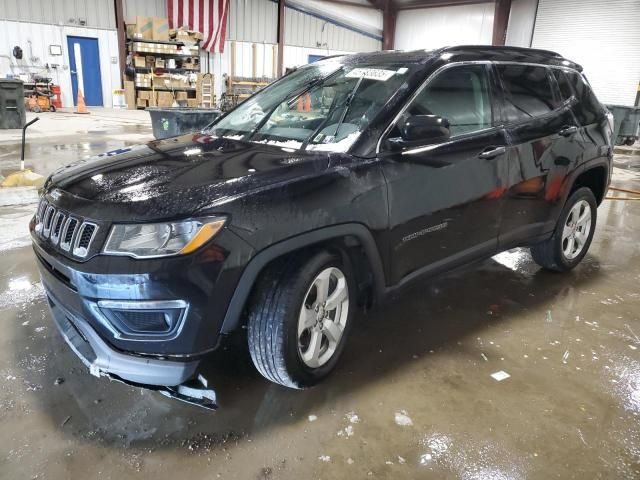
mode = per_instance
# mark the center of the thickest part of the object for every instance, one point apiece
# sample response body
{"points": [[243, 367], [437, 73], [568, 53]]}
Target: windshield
{"points": [[323, 106]]}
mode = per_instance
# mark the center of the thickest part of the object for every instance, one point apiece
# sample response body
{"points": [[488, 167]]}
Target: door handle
{"points": [[492, 152], [568, 131]]}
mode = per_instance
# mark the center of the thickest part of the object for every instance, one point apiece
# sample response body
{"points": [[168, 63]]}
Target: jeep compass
{"points": [[334, 186]]}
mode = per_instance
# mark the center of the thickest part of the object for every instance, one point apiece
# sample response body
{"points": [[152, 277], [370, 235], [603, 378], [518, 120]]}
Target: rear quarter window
{"points": [[588, 108], [527, 91], [564, 86]]}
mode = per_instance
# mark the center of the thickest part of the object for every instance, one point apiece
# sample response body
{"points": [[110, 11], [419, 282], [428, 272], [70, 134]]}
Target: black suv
{"points": [[331, 188]]}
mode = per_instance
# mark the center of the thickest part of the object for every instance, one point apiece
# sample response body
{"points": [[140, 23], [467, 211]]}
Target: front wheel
{"points": [[573, 234], [299, 318]]}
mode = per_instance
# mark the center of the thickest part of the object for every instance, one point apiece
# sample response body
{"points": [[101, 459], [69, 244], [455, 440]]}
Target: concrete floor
{"points": [[413, 396]]}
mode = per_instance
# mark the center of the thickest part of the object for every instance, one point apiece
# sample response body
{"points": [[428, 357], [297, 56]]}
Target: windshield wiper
{"points": [[347, 105]]}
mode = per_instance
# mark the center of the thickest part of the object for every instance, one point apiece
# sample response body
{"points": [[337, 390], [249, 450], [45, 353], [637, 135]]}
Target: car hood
{"points": [[176, 177]]}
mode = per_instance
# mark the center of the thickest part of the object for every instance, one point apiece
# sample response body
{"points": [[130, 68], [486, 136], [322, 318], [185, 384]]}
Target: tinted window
{"points": [[588, 108], [566, 92], [459, 94], [527, 92]]}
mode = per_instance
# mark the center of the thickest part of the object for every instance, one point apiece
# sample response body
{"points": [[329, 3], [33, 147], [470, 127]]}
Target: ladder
{"points": [[208, 97]]}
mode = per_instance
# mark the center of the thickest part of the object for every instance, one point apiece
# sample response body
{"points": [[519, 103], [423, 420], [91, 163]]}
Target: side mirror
{"points": [[423, 128]]}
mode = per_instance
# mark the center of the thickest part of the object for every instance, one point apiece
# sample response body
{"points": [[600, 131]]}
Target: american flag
{"points": [[208, 17]]}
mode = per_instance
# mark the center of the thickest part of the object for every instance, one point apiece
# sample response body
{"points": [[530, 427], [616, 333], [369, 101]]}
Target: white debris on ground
{"points": [[403, 419], [313, 418], [324, 458], [13, 297], [500, 375], [352, 417], [346, 432], [350, 461]]}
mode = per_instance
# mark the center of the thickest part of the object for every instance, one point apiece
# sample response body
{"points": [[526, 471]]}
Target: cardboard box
{"points": [[180, 82], [160, 27], [181, 95], [193, 102], [130, 94], [159, 81], [140, 27], [165, 99], [139, 62], [141, 102], [160, 63], [144, 94]]}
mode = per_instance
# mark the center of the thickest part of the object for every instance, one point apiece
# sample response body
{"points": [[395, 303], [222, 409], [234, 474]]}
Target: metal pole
{"points": [[24, 132]]}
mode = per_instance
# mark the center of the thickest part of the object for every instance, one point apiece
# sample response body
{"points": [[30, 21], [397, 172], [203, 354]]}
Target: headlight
{"points": [[147, 240]]}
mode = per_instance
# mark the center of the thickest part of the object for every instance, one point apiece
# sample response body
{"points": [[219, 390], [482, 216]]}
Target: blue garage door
{"points": [[84, 62]]}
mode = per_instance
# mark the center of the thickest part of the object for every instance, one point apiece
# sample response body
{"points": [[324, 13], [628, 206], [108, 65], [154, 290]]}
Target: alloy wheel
{"points": [[576, 229], [323, 317]]}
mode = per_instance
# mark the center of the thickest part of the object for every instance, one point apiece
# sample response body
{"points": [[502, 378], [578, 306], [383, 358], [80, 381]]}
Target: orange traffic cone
{"points": [[81, 108]]}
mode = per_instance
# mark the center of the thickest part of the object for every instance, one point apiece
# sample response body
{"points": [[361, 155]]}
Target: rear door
{"points": [[542, 131], [445, 196]]}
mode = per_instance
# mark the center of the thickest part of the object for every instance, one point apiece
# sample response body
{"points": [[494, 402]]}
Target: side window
{"points": [[459, 94], [566, 92], [588, 108], [527, 92]]}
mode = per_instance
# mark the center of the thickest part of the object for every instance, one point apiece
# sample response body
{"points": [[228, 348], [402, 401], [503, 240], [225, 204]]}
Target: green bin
{"points": [[170, 122], [12, 113], [626, 122]]}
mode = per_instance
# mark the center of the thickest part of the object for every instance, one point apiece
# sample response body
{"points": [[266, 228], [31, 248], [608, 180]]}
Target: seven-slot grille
{"points": [[70, 234]]}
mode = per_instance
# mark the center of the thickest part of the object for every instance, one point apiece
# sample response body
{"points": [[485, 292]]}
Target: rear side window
{"points": [[588, 108], [566, 92], [527, 92]]}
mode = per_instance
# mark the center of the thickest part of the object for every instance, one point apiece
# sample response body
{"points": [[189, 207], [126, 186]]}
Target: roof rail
{"points": [[507, 48]]}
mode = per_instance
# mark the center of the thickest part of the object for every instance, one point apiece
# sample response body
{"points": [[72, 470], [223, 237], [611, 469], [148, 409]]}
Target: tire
{"points": [[279, 352], [572, 236]]}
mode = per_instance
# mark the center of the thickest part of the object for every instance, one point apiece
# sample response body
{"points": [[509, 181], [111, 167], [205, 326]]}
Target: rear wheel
{"points": [[299, 318], [573, 234]]}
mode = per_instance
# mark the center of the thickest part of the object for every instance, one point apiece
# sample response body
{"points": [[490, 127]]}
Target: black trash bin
{"points": [[626, 124], [169, 122], [12, 113]]}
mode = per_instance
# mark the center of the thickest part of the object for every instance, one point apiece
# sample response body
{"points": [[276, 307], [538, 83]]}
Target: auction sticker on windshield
{"points": [[371, 74]]}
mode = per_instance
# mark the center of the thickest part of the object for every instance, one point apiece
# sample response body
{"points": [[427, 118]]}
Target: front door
{"points": [[84, 63], [445, 197]]}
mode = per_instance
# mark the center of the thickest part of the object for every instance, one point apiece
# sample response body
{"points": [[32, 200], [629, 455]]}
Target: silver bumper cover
{"points": [[103, 360]]}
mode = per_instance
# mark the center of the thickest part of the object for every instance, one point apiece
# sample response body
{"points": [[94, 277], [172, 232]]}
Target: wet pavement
{"points": [[412, 397]]}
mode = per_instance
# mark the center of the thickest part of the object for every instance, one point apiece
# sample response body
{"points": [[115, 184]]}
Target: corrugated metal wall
{"points": [[431, 28], [253, 21], [304, 30], [521, 20], [604, 37], [95, 13], [147, 8]]}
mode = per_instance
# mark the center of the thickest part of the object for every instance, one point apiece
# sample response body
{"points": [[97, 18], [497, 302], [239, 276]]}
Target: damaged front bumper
{"points": [[171, 378]]}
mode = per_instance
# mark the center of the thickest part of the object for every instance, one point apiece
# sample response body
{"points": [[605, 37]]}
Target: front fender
{"points": [[258, 262]]}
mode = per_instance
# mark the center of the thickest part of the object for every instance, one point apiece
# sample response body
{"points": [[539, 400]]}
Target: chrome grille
{"points": [[58, 221], [67, 233], [70, 234]]}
